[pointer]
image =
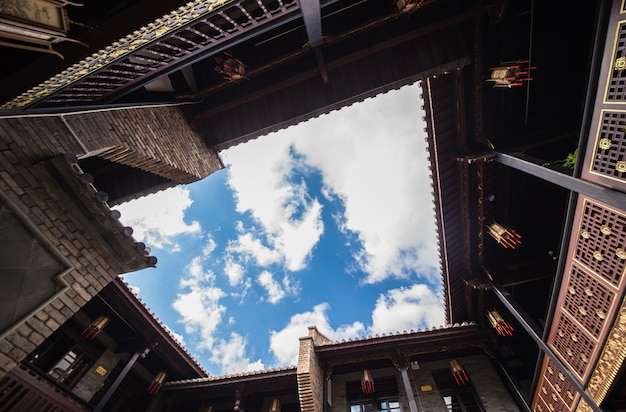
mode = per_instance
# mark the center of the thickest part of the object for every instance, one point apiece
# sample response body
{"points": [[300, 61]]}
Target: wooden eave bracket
{"points": [[312, 15]]}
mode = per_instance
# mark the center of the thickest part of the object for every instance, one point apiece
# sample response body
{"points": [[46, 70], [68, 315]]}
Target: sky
{"points": [[327, 223]]}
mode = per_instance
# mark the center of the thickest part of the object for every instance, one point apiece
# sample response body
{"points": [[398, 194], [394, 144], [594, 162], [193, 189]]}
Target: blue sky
{"points": [[327, 223]]}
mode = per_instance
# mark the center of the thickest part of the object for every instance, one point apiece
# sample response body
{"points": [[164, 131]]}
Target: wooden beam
{"points": [[311, 13]]}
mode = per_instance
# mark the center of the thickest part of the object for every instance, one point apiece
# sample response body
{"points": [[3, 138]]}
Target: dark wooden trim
{"points": [[526, 164]]}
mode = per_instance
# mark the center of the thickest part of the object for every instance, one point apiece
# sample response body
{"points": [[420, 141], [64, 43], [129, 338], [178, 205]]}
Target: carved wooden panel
{"points": [[554, 391], [588, 300], [601, 242], [616, 90], [573, 345], [609, 156], [186, 34]]}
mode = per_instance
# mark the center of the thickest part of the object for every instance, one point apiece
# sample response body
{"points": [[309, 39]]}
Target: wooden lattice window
{"points": [[557, 385], [574, 346], [601, 242], [610, 150], [617, 79], [587, 300]]}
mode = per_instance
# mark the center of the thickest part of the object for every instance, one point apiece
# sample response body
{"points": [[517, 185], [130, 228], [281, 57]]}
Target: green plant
{"points": [[568, 163], [570, 160]]}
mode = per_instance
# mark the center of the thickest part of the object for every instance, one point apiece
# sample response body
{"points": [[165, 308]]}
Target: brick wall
{"points": [[490, 389], [488, 385], [310, 374], [61, 227], [90, 247], [339, 398], [154, 139]]}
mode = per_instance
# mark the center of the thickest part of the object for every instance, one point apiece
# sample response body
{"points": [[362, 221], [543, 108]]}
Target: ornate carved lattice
{"points": [[610, 146], [562, 387], [587, 300], [616, 91], [555, 392], [574, 346], [181, 36], [601, 242]]}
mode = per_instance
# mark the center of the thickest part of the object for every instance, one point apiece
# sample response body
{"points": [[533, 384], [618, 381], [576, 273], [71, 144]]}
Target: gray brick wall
{"points": [[490, 389], [156, 139]]}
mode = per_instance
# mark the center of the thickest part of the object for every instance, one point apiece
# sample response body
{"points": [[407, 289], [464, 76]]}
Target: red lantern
{"points": [[156, 383], [367, 382], [500, 325], [504, 235], [460, 377], [94, 328]]}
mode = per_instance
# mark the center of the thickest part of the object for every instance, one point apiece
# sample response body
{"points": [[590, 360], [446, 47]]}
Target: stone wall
{"points": [[339, 399], [310, 373], [59, 224], [487, 384], [50, 207], [157, 140], [154, 139]]}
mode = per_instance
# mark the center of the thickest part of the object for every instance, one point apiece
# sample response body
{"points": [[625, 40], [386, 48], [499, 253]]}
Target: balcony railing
{"points": [[22, 389]]}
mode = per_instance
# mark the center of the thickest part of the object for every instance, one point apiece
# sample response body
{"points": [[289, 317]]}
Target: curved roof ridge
{"points": [[211, 378], [168, 331], [400, 333]]}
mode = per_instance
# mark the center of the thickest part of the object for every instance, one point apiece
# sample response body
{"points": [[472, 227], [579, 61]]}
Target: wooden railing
{"points": [[23, 390]]}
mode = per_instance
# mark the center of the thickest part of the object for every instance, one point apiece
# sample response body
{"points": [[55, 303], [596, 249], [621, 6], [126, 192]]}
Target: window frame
{"points": [[376, 401], [446, 387], [54, 349]]}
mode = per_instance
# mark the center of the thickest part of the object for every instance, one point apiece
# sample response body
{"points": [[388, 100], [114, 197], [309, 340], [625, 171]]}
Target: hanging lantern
{"points": [[237, 406], [367, 382], [156, 383], [94, 328], [275, 405], [504, 235], [500, 325], [231, 68], [460, 377]]}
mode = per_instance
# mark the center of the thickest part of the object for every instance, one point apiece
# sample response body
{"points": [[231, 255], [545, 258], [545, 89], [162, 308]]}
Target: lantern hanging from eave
{"points": [[499, 324], [237, 406], [231, 68], [367, 382], [275, 407], [156, 383], [504, 235], [460, 377], [95, 327]]}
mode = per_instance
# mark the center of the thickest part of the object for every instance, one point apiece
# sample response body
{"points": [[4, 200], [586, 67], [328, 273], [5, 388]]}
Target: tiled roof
{"points": [[235, 376], [404, 333], [164, 329], [130, 254]]}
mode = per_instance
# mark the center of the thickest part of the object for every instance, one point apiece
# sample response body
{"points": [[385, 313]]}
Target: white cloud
{"points": [[198, 303], [209, 247], [158, 218], [134, 289], [230, 356], [372, 157], [249, 246], [234, 271], [398, 310], [384, 182], [284, 343], [274, 292], [407, 308], [176, 336], [258, 173]]}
